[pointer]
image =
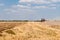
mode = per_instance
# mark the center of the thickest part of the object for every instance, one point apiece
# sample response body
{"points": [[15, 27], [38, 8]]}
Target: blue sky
{"points": [[29, 9]]}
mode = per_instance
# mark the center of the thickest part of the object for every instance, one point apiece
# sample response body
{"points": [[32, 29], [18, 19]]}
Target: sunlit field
{"points": [[48, 30]]}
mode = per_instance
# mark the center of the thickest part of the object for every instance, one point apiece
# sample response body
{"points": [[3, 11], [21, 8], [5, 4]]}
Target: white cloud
{"points": [[19, 9], [28, 8], [40, 7], [50, 6], [39, 1], [44, 7], [50, 3], [34, 1], [22, 6], [55, 0], [26, 0]]}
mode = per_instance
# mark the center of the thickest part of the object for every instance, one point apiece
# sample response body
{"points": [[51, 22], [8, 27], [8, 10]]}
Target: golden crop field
{"points": [[30, 30]]}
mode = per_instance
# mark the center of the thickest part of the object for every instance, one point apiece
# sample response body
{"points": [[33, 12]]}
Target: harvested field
{"points": [[29, 30]]}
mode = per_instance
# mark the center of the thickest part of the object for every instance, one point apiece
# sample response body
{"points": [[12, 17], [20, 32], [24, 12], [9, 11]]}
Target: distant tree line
{"points": [[42, 20]]}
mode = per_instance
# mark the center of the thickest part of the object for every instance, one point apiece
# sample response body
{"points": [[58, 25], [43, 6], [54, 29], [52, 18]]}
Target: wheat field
{"points": [[49, 30]]}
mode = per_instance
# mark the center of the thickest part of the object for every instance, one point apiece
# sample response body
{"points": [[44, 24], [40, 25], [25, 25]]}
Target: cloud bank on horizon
{"points": [[29, 9]]}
